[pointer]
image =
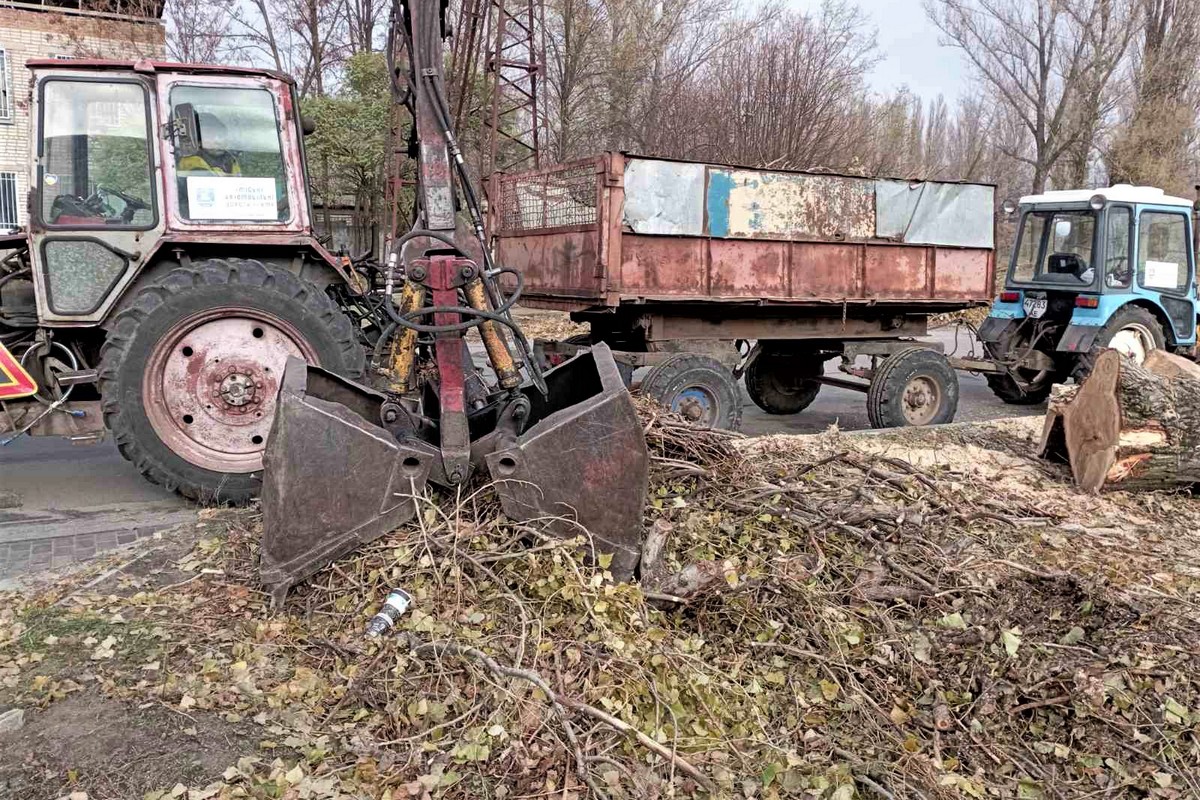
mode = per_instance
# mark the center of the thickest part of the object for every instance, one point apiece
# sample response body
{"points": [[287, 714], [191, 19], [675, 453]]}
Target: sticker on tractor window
{"points": [[1161, 275], [14, 380], [232, 197]]}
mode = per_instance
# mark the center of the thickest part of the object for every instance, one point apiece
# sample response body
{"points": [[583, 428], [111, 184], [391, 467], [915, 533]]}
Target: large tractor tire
{"points": [[784, 383], [915, 386], [699, 388], [1132, 331], [191, 366], [1034, 386]]}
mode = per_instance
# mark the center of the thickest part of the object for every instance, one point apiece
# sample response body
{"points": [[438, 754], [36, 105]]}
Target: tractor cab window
{"points": [[1056, 247], [228, 158], [95, 155], [1118, 271], [1163, 251]]}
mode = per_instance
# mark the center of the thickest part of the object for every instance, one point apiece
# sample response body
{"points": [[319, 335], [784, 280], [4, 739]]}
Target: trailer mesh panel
{"points": [[559, 198]]}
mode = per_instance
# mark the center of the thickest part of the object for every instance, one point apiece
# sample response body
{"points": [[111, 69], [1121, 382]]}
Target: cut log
{"points": [[1128, 426]]}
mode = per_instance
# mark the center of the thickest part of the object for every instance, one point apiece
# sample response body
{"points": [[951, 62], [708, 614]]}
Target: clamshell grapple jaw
{"points": [[337, 475]]}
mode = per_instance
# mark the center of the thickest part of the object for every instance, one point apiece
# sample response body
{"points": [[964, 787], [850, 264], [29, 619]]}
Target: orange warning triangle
{"points": [[14, 380]]}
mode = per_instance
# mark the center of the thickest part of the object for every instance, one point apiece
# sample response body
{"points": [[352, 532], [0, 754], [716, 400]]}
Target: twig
{"points": [[558, 702], [1052, 701]]}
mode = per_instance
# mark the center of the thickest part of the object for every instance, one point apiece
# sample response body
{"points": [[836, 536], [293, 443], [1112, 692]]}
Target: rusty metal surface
{"points": [[828, 324], [562, 263], [333, 478], [564, 196], [796, 272], [147, 65], [743, 203], [767, 237], [212, 381], [584, 465]]}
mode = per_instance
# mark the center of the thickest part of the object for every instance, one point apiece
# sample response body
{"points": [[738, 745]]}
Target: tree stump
{"points": [[1128, 426]]}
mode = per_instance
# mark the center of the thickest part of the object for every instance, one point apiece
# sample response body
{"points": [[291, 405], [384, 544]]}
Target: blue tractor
{"points": [[1091, 269]]}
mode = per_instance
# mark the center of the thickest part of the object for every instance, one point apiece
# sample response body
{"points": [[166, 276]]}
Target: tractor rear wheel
{"points": [[1132, 331], [191, 366], [1028, 386]]}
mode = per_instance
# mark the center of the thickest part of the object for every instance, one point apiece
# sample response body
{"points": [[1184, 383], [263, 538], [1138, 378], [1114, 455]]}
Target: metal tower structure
{"points": [[513, 131]]}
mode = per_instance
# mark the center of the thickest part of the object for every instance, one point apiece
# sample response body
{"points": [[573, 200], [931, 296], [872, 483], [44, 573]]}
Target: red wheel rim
{"points": [[211, 383]]}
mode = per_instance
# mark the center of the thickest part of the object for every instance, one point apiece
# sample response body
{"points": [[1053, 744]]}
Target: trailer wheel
{"points": [[699, 388], [191, 366], [915, 386], [783, 383]]}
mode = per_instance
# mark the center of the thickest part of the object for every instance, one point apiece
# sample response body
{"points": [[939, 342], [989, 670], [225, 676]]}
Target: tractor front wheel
{"points": [[191, 366]]}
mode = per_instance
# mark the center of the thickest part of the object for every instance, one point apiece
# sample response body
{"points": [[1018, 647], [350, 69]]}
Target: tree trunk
{"points": [[1128, 426]]}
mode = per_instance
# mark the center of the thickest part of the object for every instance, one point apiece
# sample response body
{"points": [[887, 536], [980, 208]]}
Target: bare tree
{"points": [[1050, 61], [787, 93], [575, 76], [1153, 144], [198, 30], [305, 38]]}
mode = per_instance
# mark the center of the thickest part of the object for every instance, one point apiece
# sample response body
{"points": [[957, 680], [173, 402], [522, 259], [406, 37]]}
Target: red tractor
{"points": [[169, 270], [171, 290]]}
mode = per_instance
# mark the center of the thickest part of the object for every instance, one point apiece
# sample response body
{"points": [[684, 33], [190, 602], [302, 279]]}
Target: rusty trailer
{"points": [[672, 262]]}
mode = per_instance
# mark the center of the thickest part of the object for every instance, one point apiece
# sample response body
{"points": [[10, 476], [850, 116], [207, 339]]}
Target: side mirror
{"points": [[1062, 228], [185, 128], [308, 126]]}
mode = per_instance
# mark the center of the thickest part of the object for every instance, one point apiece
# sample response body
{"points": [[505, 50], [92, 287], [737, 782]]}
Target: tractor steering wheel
{"points": [[132, 204]]}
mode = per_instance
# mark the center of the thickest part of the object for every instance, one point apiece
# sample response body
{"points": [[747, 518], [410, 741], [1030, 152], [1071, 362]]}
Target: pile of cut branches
{"points": [[919, 614]]}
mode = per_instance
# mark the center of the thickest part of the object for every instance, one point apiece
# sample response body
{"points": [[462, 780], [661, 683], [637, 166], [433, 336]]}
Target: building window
{"points": [[8, 201], [6, 90]]}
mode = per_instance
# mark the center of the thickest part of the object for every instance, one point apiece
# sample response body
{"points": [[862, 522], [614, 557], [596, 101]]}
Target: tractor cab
{"points": [[132, 158], [169, 270]]}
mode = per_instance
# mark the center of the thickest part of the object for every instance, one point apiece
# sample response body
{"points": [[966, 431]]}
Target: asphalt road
{"points": [[53, 488]]}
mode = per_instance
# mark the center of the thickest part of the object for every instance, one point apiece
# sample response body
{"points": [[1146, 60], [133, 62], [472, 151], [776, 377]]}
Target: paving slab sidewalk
{"points": [[32, 540]]}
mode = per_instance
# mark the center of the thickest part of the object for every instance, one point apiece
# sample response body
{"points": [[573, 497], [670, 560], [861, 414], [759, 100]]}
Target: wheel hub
{"points": [[237, 390], [1134, 341], [696, 404], [211, 383], [922, 397]]}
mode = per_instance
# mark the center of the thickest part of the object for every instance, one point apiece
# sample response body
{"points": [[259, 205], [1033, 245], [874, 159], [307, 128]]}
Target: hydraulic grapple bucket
{"points": [[333, 479], [582, 465], [336, 478]]}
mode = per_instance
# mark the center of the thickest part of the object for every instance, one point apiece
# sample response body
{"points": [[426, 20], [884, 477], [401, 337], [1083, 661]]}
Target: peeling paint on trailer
{"points": [[753, 204]]}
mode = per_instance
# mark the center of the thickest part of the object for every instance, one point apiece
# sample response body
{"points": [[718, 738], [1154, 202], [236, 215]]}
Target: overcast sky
{"points": [[908, 41]]}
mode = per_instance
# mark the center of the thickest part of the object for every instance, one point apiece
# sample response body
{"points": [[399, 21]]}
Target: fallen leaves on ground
{"points": [[913, 614]]}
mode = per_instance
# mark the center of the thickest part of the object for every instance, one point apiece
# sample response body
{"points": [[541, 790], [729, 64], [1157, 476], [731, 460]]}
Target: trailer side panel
{"points": [[655, 230]]}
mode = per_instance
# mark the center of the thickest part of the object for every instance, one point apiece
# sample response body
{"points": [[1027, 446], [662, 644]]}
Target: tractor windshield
{"points": [[1055, 247], [228, 158]]}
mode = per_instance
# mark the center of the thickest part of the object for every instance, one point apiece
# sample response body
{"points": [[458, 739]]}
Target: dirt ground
{"points": [[116, 749]]}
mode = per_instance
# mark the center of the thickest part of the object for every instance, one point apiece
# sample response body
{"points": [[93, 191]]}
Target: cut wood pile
{"points": [[918, 614], [1129, 426]]}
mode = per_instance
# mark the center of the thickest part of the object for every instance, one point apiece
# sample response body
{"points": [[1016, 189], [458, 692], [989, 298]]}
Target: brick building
{"points": [[123, 29]]}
